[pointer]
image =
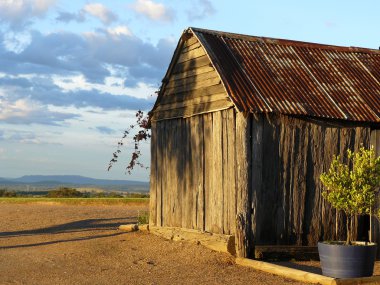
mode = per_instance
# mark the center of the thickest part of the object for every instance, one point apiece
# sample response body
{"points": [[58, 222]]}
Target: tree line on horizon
{"points": [[67, 192]]}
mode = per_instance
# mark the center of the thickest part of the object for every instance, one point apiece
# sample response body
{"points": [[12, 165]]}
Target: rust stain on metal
{"points": [[296, 78]]}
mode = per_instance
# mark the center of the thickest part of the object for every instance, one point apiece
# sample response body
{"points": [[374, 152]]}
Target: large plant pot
{"points": [[347, 261]]}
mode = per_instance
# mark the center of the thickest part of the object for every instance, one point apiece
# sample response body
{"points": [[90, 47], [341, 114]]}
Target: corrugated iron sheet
{"points": [[296, 78]]}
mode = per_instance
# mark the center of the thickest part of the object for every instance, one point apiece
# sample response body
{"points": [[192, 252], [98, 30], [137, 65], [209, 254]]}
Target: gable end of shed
{"points": [[191, 86]]}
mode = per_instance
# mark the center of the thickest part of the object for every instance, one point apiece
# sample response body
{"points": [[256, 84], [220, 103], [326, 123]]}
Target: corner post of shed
{"points": [[153, 209], [243, 238]]}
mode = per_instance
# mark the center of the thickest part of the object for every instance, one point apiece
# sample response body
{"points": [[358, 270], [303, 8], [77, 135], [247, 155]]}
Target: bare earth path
{"points": [[65, 244]]}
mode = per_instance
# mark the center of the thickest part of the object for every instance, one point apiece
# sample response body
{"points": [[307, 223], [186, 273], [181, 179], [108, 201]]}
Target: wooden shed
{"points": [[243, 127]]}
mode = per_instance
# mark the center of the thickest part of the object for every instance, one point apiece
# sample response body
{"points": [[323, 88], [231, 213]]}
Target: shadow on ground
{"points": [[72, 227], [303, 267]]}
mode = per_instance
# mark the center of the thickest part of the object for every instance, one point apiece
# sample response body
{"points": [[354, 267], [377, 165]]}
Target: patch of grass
{"points": [[143, 217], [76, 201]]}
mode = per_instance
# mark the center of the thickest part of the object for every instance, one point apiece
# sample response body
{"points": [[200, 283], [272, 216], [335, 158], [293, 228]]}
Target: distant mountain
{"points": [[7, 181], [72, 179]]}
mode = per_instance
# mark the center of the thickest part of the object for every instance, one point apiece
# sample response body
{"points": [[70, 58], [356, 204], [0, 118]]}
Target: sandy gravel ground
{"points": [[62, 244]]}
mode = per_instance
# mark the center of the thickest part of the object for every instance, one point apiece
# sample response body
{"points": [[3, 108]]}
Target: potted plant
{"points": [[350, 187]]}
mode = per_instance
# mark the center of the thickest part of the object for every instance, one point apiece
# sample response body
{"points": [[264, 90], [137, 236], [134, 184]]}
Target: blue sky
{"points": [[73, 73]]}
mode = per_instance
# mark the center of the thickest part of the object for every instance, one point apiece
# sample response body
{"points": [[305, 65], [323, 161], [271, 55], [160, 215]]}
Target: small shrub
{"points": [[107, 195], [64, 192], [137, 195], [352, 187], [6, 193], [114, 195], [142, 217]]}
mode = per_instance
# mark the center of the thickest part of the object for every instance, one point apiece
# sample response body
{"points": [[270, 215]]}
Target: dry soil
{"points": [[76, 244], [66, 244]]}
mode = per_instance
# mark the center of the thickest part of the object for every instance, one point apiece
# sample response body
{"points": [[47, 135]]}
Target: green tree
{"points": [[5, 193], [352, 186], [64, 192]]}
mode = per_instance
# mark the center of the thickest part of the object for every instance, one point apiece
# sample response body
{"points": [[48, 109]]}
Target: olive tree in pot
{"points": [[350, 187]]}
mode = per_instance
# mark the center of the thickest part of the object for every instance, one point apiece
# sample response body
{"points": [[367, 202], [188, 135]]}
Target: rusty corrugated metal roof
{"points": [[296, 78]]}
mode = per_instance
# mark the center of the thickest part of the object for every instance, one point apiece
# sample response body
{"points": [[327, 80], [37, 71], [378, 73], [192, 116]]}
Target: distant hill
{"points": [[74, 179], [46, 181]]}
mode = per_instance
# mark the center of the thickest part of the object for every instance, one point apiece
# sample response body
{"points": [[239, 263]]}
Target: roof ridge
{"points": [[269, 40]]}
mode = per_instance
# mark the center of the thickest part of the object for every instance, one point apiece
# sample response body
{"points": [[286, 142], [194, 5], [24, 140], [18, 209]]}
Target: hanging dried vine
{"points": [[142, 134]]}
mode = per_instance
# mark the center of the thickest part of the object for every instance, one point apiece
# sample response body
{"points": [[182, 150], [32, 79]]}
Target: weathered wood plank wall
{"points": [[194, 86], [288, 207], [194, 183], [243, 232], [197, 183]]}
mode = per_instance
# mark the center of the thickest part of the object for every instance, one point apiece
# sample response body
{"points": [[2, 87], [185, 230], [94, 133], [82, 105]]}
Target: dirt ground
{"points": [[65, 244]]}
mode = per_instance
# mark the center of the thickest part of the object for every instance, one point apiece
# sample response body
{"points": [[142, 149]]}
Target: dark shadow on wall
{"points": [[292, 184], [177, 152]]}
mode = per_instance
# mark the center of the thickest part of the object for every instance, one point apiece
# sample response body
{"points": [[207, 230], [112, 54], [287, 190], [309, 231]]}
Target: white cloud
{"points": [[19, 108], [25, 111], [112, 85], [101, 12], [154, 11], [120, 31], [17, 13]]}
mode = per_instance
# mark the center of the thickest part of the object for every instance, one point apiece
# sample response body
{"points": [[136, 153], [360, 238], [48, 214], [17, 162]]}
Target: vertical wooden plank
{"points": [[283, 214], [316, 144], [217, 226], [200, 170], [225, 186], [193, 171], [164, 172], [312, 224], [286, 144], [188, 173], [208, 170], [190, 188], [231, 169], [193, 195], [332, 146], [257, 170], [300, 174], [172, 175], [159, 172], [178, 165], [167, 189], [153, 176], [362, 137], [173, 165], [243, 235], [267, 216]]}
